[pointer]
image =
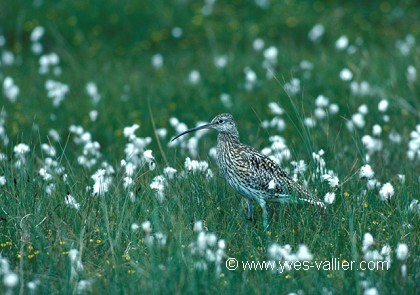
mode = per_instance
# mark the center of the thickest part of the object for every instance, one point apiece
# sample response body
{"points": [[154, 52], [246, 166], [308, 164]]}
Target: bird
{"points": [[250, 173]]}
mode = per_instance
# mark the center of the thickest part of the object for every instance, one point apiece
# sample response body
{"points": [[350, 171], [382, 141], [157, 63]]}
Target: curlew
{"points": [[250, 173]]}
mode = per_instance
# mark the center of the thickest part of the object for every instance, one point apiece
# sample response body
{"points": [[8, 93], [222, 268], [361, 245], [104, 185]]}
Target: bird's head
{"points": [[223, 123]]}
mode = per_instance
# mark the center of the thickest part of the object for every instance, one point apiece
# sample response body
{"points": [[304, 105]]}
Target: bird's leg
{"points": [[249, 215], [265, 213]]}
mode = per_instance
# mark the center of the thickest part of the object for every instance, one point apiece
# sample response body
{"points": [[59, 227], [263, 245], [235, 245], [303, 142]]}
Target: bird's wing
{"points": [[266, 176]]}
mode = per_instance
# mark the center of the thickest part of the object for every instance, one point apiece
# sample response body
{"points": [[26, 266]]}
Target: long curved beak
{"points": [[205, 126]]}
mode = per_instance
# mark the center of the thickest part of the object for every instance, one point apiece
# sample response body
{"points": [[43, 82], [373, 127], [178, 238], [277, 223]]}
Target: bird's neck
{"points": [[228, 137]]}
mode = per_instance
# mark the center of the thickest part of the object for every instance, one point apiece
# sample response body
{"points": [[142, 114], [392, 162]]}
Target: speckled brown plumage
{"points": [[252, 174]]}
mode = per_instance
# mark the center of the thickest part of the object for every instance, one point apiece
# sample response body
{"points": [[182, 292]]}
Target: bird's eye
{"points": [[220, 121]]}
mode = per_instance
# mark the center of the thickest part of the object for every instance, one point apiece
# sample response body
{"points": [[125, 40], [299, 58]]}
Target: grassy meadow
{"points": [[94, 199]]}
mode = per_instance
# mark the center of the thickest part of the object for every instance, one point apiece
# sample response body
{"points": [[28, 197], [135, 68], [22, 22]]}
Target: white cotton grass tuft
{"points": [[346, 74], [342, 43], [413, 152], [221, 61], [10, 280], [258, 44], [401, 251], [157, 61], [366, 172], [194, 77], [386, 192], [207, 249], [329, 197], [383, 105], [10, 89], [371, 291], [147, 226], [316, 32], [92, 91], [411, 73], [2, 180], [71, 202], [332, 180]]}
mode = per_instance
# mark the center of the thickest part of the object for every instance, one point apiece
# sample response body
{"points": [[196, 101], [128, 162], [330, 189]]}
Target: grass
{"points": [[112, 46]]}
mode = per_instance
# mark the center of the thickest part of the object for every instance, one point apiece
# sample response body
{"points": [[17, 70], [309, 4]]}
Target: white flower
{"points": [[346, 74], [316, 32], [358, 120], [371, 291], [221, 244], [194, 77], [93, 115], [321, 101], [270, 54], [363, 109], [383, 105], [2, 180], [258, 44], [366, 172], [367, 242], [411, 73], [129, 131], [376, 130], [198, 226], [292, 87], [128, 181], [342, 42], [157, 61], [10, 89], [37, 33], [220, 61], [211, 239], [401, 251], [303, 253], [135, 227], [147, 227], [226, 100], [21, 149], [386, 191], [57, 91], [310, 122], [169, 172], [414, 205], [329, 197], [161, 132], [176, 32], [71, 202], [372, 184], [275, 108], [331, 178], [147, 154], [158, 183], [92, 91], [10, 280], [320, 113]]}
